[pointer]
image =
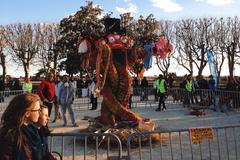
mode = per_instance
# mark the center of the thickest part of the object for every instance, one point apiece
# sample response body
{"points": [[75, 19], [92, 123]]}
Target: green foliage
{"points": [[146, 30], [84, 22]]}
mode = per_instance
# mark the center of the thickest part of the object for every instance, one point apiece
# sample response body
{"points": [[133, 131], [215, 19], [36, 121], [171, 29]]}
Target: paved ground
{"points": [[174, 117]]}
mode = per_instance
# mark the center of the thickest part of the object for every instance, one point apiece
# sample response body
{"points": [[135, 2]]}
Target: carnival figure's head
{"points": [[119, 41], [115, 35]]}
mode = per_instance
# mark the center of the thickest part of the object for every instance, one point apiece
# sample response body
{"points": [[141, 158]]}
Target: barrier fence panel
{"points": [[220, 100], [217, 143], [93, 146], [6, 97], [214, 99]]}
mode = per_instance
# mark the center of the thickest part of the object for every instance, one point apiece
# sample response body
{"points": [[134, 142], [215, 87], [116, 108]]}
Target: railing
{"points": [[98, 146], [220, 143], [218, 99], [178, 144]]}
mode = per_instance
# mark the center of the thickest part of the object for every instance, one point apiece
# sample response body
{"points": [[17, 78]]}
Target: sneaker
{"points": [[64, 125], [75, 125]]}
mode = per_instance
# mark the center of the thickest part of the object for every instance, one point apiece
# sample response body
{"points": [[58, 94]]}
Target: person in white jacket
{"points": [[93, 92], [66, 97]]}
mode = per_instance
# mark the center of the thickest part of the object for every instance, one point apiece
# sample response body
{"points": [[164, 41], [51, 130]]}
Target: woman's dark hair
{"points": [[14, 115]]}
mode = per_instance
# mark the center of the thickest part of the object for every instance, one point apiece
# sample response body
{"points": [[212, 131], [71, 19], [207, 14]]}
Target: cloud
{"points": [[167, 5], [132, 8], [217, 2]]}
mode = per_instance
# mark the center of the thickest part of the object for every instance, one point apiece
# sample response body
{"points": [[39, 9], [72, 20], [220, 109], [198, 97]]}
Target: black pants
{"points": [[186, 100], [94, 101], [161, 100], [130, 102], [56, 108], [49, 106], [155, 95], [1, 96]]}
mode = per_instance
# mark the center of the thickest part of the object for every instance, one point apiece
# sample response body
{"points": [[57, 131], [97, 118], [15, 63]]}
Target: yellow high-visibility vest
{"points": [[27, 87], [188, 86], [161, 86]]}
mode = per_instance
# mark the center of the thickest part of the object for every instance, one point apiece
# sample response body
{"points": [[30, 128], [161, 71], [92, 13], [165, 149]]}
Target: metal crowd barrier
{"points": [[216, 99], [216, 143], [6, 97], [98, 146], [219, 100]]}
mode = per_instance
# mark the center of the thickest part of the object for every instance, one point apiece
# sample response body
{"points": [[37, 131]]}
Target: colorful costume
{"points": [[112, 57]]}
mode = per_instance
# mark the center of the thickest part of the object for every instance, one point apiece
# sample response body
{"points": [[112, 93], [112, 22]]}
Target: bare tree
{"points": [[163, 64], [48, 54], [23, 42], [2, 55], [231, 43], [200, 40], [184, 56], [218, 43], [192, 39]]}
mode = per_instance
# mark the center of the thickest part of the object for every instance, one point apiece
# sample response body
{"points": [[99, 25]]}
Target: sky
{"points": [[34, 11]]}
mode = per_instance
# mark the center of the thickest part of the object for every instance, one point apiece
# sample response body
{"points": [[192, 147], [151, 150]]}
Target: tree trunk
{"points": [[190, 63], [3, 64], [26, 67], [231, 66], [55, 58], [202, 62], [230, 55], [218, 78]]}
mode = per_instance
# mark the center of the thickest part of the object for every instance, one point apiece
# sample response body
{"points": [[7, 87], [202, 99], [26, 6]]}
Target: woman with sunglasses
{"points": [[19, 137]]}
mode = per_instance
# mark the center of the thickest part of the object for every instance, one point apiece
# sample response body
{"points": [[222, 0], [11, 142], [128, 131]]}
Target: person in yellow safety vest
{"points": [[27, 86], [188, 85], [162, 90]]}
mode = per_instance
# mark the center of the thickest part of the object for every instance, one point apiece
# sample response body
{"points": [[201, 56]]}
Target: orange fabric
{"points": [[140, 76]]}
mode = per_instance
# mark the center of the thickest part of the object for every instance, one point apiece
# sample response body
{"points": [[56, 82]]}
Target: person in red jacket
{"points": [[46, 91]]}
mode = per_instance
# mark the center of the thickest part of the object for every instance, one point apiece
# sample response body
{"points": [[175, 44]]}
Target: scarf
{"points": [[33, 141]]}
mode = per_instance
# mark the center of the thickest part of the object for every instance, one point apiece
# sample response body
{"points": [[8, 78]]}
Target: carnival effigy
{"points": [[112, 56]]}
